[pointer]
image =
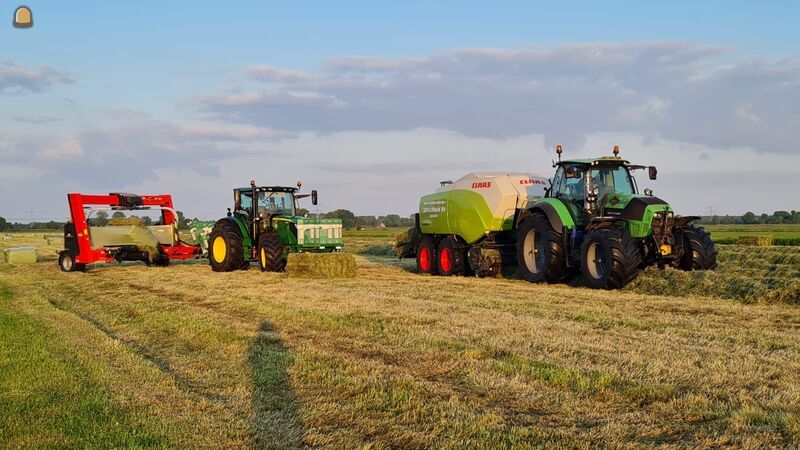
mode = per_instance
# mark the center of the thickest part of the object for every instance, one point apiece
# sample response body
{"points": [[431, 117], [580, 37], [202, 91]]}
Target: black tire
{"points": [[66, 262], [540, 251], [271, 254], [427, 255], [699, 252], [229, 250], [161, 261], [610, 258], [452, 257]]}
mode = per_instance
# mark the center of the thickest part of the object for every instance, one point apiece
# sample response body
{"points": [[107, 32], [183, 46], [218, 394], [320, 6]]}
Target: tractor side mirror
{"points": [[652, 172], [314, 197]]}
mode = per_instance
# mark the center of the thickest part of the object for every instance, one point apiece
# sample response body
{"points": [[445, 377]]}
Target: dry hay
{"points": [[133, 220], [758, 241], [321, 265]]}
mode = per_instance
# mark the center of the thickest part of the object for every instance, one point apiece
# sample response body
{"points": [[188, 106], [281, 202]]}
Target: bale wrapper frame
{"points": [[155, 245]]}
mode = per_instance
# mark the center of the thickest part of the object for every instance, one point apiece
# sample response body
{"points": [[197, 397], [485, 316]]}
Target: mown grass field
{"points": [[182, 357]]}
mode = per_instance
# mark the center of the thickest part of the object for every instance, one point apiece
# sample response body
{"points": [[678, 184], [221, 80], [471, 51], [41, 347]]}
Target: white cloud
{"points": [[18, 78], [672, 90]]}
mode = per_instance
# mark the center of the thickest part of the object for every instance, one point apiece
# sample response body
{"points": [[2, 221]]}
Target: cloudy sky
{"points": [[373, 105]]}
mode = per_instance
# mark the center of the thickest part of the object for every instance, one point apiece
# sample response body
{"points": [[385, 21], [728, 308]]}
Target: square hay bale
{"points": [[321, 265], [758, 241], [20, 255]]}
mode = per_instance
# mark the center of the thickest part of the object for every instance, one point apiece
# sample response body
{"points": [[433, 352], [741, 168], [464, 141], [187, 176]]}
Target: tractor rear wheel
{"points": [[452, 257], [699, 252], [609, 258], [540, 251], [67, 263], [271, 257], [225, 250], [426, 255]]}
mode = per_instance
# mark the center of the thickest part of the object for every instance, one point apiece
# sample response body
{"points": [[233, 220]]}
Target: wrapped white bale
{"points": [[20, 255]]}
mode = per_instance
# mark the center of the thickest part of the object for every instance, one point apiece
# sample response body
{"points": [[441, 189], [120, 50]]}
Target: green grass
{"points": [[789, 233], [373, 233], [50, 397]]}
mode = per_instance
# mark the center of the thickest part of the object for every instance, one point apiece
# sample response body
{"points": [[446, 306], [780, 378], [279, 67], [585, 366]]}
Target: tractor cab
{"points": [[263, 203], [588, 187]]}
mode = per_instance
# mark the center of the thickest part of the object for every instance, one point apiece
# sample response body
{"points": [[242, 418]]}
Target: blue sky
{"points": [[185, 75]]}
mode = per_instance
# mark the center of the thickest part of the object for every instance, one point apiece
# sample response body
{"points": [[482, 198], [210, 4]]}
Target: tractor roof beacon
{"points": [[264, 225], [589, 218]]}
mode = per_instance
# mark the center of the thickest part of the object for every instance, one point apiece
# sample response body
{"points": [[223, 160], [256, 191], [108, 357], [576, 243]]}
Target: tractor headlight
{"points": [[658, 215], [669, 215]]}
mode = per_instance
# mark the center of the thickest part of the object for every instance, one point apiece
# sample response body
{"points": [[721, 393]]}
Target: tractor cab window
{"points": [[244, 202], [571, 183], [611, 180], [276, 203]]}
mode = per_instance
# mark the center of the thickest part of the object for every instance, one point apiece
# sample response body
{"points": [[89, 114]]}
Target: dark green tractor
{"points": [[594, 220], [264, 226]]}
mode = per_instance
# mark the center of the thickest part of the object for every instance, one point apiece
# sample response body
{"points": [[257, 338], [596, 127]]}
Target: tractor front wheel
{"points": [[609, 258], [452, 257], [271, 256], [540, 251], [699, 252], [426, 255], [225, 250]]}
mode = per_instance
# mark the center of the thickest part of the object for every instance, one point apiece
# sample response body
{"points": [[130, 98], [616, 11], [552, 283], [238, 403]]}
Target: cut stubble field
{"points": [[183, 357]]}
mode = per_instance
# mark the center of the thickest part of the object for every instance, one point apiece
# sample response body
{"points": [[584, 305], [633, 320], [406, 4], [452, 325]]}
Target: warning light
{"points": [[558, 149], [616, 151], [23, 17]]}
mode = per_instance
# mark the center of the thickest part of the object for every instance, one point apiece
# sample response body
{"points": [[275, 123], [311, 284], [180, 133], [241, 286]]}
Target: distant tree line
{"points": [[750, 218], [350, 220], [101, 218]]}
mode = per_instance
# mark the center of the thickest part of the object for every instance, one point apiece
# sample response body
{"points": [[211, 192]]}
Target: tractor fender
{"points": [[557, 220], [246, 241], [683, 221]]}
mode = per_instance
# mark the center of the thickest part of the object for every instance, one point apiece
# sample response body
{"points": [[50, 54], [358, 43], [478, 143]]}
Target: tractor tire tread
{"points": [[234, 247], [555, 270], [274, 249], [700, 253], [625, 256]]}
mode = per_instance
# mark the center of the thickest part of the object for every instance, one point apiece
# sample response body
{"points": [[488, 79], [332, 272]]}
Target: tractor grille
{"points": [[662, 229]]}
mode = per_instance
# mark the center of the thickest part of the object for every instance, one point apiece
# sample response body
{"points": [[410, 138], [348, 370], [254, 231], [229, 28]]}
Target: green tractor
{"points": [[594, 220], [589, 218], [264, 226]]}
